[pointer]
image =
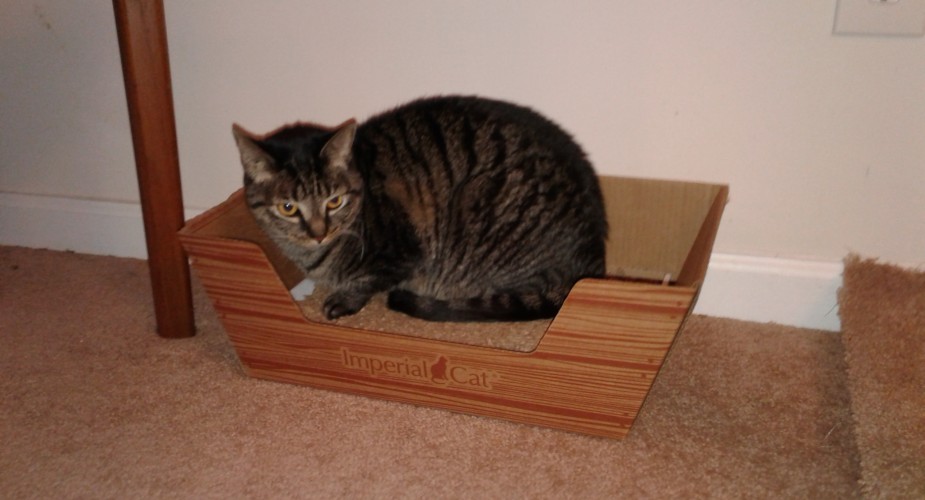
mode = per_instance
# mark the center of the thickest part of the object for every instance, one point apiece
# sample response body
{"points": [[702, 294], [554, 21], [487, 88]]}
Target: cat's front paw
{"points": [[341, 304]]}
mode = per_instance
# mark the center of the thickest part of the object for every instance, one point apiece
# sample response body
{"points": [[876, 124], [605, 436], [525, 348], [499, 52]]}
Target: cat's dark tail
{"points": [[505, 306]]}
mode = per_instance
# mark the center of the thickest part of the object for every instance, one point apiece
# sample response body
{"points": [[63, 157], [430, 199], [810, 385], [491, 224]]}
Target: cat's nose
{"points": [[317, 228]]}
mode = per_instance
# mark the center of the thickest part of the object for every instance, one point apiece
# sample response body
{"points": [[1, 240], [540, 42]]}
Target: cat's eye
{"points": [[287, 209], [335, 202]]}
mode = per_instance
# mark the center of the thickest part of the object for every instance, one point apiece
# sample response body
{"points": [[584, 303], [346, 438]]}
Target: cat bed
{"points": [[588, 370]]}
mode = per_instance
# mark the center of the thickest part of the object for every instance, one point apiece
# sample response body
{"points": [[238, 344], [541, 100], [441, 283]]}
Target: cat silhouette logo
{"points": [[444, 372], [438, 370]]}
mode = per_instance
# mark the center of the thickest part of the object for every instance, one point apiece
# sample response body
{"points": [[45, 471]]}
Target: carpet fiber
{"points": [[883, 320], [95, 405]]}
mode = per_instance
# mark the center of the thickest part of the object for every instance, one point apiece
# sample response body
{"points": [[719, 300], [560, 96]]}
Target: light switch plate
{"points": [[880, 17]]}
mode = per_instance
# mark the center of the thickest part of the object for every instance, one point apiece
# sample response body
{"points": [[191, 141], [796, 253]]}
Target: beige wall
{"points": [[822, 138]]}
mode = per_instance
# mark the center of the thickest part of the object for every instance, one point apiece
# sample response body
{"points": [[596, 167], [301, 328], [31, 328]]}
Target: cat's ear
{"points": [[339, 147], [258, 165]]}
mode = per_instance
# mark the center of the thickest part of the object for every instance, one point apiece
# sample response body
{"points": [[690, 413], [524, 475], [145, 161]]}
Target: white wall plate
{"points": [[880, 17]]}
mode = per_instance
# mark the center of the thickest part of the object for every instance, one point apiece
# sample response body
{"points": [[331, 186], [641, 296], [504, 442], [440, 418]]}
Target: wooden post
{"points": [[146, 71]]}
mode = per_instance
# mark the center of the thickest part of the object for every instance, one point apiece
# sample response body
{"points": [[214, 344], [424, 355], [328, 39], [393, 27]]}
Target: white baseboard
{"points": [[790, 292], [79, 225]]}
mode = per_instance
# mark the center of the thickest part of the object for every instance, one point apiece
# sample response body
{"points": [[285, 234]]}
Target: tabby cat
{"points": [[461, 208]]}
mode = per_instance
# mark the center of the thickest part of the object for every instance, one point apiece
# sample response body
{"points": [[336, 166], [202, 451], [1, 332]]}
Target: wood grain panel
{"points": [[590, 373]]}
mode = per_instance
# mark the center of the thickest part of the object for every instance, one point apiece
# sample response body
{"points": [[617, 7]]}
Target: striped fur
{"points": [[463, 208]]}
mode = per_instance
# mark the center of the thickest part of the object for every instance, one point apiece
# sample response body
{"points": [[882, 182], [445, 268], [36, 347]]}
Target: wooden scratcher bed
{"points": [[588, 370]]}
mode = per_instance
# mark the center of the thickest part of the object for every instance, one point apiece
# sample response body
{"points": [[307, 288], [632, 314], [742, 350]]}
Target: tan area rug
{"points": [[883, 324], [95, 405]]}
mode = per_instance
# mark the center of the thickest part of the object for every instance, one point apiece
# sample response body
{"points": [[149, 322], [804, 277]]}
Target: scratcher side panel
{"points": [[590, 373]]}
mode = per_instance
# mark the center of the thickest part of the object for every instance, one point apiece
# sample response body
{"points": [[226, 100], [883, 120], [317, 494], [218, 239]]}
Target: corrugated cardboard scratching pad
{"points": [[589, 373]]}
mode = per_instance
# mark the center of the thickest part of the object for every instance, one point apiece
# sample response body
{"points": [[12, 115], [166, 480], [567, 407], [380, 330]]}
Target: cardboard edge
{"points": [[694, 269]]}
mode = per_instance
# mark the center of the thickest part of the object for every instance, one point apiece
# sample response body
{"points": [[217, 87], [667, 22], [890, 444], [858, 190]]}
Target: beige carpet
{"points": [[95, 405], [883, 320]]}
